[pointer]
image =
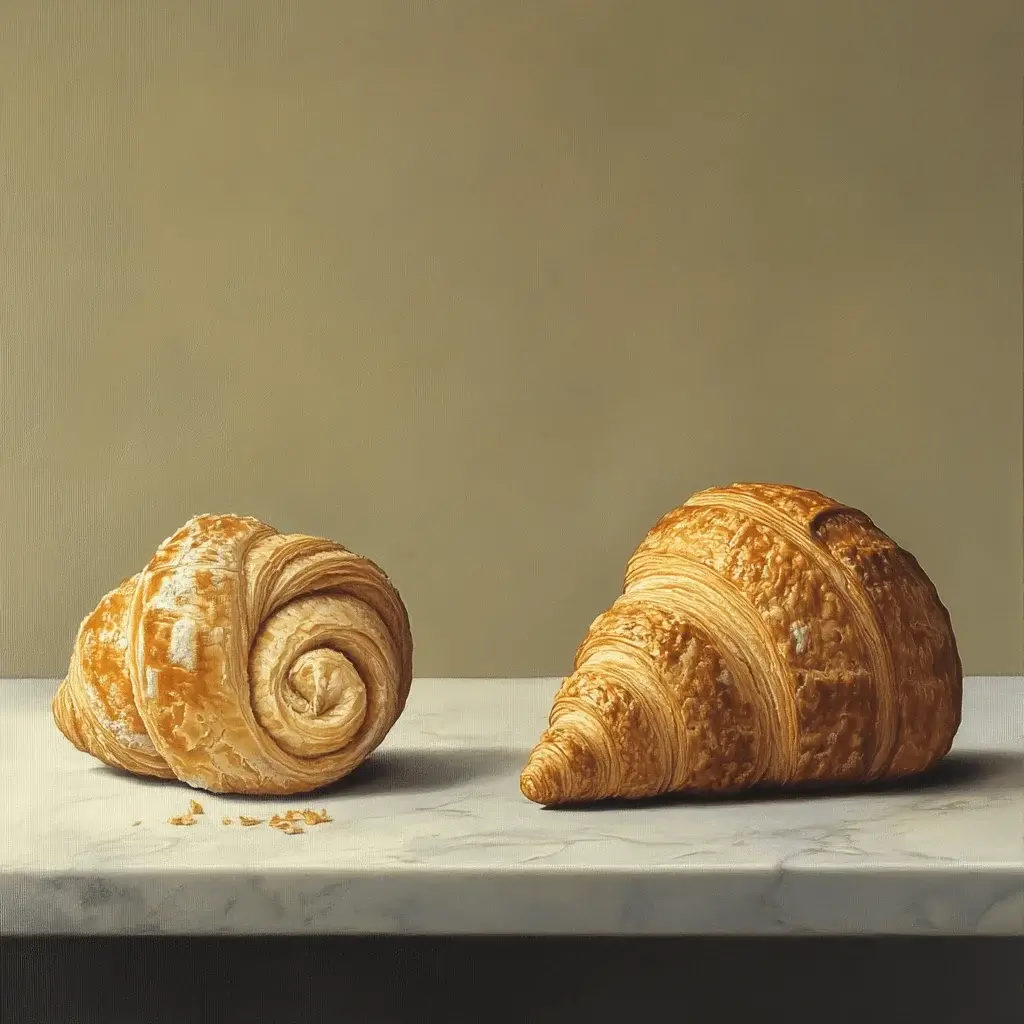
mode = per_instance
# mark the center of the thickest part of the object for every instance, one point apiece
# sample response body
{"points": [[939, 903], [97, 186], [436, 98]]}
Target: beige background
{"points": [[482, 289]]}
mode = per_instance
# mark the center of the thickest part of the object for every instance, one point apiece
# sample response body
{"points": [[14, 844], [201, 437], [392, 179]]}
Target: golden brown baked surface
{"points": [[766, 634], [240, 660]]}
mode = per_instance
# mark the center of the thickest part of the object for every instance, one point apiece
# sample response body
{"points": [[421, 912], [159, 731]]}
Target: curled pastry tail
{"points": [[605, 738], [565, 766]]}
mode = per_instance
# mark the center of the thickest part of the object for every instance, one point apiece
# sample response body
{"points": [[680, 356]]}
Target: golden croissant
{"points": [[240, 660], [766, 635]]}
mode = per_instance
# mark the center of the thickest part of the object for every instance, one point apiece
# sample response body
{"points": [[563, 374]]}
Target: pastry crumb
{"points": [[289, 822], [311, 817], [308, 816], [286, 823]]}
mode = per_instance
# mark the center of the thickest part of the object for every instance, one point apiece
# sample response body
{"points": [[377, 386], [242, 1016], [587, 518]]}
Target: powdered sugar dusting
{"points": [[175, 586], [182, 651], [117, 727], [151, 679]]}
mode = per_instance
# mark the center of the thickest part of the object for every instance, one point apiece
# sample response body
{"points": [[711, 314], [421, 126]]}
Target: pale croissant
{"points": [[240, 660], [765, 635]]}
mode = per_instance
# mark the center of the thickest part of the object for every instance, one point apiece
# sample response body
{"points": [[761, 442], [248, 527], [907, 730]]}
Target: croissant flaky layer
{"points": [[240, 660], [766, 634]]}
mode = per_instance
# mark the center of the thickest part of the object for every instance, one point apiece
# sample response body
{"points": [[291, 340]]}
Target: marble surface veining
{"points": [[432, 836]]}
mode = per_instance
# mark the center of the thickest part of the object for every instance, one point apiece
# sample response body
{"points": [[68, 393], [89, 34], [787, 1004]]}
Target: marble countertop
{"points": [[431, 836]]}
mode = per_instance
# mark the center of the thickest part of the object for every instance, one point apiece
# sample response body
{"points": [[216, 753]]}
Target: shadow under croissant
{"points": [[427, 771], [396, 771], [954, 771]]}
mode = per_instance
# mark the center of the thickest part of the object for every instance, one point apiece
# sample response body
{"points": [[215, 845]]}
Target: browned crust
{"points": [[187, 670], [928, 676], [766, 634], [94, 706]]}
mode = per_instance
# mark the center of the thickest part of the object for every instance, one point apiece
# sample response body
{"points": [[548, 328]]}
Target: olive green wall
{"points": [[482, 289]]}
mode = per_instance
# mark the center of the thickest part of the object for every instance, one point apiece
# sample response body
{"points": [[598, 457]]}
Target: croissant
{"points": [[240, 660], [766, 635]]}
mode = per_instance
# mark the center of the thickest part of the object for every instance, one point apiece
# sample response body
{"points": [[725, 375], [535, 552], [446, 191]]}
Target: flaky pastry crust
{"points": [[765, 635], [240, 660]]}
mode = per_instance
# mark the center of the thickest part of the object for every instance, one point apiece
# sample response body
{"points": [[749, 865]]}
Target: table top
{"points": [[432, 836]]}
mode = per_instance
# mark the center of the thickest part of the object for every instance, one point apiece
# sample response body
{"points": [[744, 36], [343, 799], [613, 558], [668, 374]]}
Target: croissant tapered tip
{"points": [[536, 785], [548, 778]]}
